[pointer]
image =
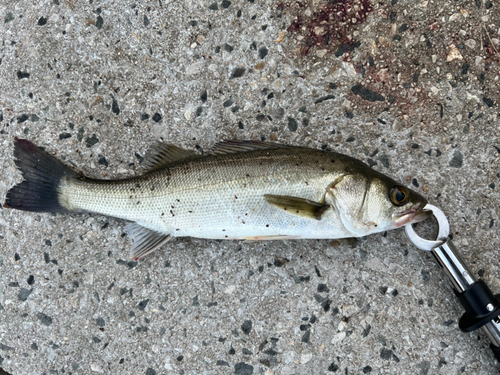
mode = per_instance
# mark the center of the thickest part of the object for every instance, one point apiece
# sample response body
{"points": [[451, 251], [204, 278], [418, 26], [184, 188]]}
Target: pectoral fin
{"points": [[145, 240], [298, 206]]}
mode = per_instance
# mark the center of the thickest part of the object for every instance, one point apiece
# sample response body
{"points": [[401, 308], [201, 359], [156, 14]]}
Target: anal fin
{"points": [[145, 240], [298, 206]]}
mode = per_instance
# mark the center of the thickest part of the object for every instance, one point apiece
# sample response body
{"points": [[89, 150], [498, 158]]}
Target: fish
{"points": [[243, 190]]}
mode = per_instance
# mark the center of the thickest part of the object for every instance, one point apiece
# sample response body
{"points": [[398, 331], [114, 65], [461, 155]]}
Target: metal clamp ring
{"points": [[444, 231]]}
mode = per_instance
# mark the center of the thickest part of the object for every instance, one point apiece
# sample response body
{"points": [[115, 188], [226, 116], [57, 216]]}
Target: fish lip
{"points": [[412, 215]]}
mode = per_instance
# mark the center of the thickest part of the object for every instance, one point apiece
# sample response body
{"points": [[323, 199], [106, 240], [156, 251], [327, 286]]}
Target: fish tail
{"points": [[42, 174]]}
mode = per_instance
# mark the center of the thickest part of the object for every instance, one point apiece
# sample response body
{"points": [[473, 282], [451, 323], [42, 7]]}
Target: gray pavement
{"points": [[408, 87]]}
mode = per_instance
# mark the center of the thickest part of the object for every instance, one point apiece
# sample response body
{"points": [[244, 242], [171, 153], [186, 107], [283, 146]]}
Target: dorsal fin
{"points": [[234, 146], [163, 154]]}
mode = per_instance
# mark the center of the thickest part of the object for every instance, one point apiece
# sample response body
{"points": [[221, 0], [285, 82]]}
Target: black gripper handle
{"points": [[480, 304]]}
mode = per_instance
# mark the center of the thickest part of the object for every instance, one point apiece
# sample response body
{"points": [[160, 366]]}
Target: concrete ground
{"points": [[409, 87]]}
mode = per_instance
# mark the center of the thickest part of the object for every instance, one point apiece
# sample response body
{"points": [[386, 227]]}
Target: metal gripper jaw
{"points": [[482, 308]]}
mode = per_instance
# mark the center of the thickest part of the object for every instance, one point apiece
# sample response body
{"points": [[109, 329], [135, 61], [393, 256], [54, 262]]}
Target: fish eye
{"points": [[399, 195]]}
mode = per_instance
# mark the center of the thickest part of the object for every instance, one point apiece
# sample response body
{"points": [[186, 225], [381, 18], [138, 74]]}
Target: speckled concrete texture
{"points": [[409, 87]]}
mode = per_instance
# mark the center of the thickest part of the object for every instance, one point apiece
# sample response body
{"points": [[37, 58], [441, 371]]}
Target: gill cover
{"points": [[348, 195]]}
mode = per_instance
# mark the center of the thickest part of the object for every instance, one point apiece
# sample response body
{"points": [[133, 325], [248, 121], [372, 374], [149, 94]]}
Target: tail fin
{"points": [[42, 175]]}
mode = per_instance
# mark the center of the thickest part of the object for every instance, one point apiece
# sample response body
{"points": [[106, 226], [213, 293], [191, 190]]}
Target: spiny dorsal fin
{"points": [[298, 206], [234, 146], [163, 154], [145, 240]]}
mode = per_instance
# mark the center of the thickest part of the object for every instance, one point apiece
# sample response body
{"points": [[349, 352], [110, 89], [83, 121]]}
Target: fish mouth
{"points": [[412, 215]]}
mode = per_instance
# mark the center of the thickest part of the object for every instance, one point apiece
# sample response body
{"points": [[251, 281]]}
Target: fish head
{"points": [[370, 202]]}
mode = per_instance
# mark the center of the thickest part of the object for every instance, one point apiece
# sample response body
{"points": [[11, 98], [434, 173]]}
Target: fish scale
{"points": [[217, 196]]}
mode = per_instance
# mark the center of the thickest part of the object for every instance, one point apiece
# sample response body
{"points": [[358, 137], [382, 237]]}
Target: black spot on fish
{"points": [[333, 160], [172, 213], [163, 213], [267, 225], [190, 212], [138, 202]]}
